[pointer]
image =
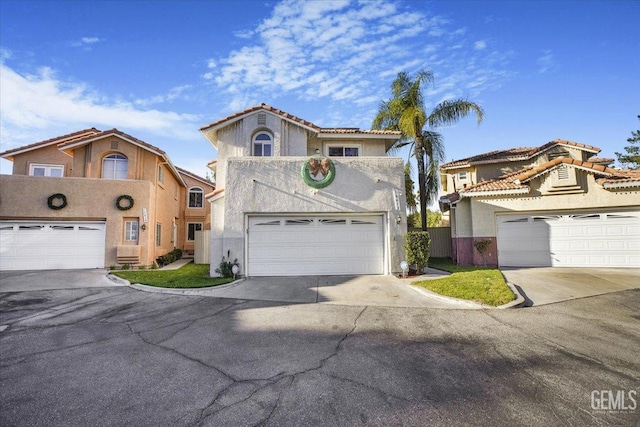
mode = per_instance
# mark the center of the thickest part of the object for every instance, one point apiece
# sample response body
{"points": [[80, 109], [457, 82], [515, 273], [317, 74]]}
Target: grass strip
{"points": [[189, 276], [483, 285]]}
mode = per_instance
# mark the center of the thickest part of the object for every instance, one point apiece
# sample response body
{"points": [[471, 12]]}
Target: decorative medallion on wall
{"points": [[318, 171]]}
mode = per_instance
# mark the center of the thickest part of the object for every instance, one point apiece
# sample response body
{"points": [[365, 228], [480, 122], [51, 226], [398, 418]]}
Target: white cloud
{"points": [[86, 43], [345, 51], [90, 40], [480, 45], [42, 104], [546, 62]]}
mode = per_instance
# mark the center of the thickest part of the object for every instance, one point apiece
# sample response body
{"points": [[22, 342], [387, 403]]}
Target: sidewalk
{"points": [[177, 264]]}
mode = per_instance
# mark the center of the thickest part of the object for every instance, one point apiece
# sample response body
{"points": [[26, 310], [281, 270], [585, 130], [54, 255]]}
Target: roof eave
{"points": [[616, 185], [517, 191]]}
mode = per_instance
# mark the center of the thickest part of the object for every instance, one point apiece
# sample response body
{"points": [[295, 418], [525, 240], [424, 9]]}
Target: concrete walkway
{"points": [[177, 264]]}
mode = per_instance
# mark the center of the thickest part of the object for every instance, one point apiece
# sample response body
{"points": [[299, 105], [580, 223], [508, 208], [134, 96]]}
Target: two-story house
{"points": [[553, 205], [95, 199], [294, 198]]}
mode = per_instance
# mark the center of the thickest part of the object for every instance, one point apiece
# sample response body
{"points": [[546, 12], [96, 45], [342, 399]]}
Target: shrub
{"points": [[225, 269], [177, 253], [126, 266], [417, 247]]}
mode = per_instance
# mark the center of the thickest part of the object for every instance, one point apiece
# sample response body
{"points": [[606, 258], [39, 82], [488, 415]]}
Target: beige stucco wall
{"points": [[25, 197], [47, 155], [202, 214], [275, 185], [484, 210]]}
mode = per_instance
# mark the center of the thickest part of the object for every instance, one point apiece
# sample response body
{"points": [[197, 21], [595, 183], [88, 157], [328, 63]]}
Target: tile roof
{"points": [[601, 160], [506, 182], [57, 140], [194, 176], [357, 130], [296, 119], [109, 132], [514, 154], [265, 107], [546, 167], [625, 179], [515, 182]]}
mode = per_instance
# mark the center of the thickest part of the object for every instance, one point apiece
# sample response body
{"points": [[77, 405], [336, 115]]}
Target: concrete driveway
{"points": [[381, 291], [547, 285], [41, 280]]}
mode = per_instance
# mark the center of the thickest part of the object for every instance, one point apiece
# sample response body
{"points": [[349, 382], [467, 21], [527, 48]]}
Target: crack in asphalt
{"points": [[563, 349], [271, 381]]}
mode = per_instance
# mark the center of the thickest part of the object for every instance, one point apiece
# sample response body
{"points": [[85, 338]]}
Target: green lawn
{"points": [[188, 276], [483, 285]]}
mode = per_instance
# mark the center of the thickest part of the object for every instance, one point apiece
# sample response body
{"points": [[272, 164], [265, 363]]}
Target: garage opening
{"points": [[589, 239], [51, 245], [315, 245]]}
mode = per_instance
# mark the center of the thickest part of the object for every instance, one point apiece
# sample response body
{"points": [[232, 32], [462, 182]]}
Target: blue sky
{"points": [[161, 70]]}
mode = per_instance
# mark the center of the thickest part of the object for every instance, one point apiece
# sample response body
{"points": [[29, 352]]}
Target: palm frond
{"points": [[451, 111]]}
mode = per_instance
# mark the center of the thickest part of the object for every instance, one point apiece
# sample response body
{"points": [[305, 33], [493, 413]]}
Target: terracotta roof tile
{"points": [[298, 120], [513, 154], [113, 131], [194, 176], [266, 108], [70, 137]]}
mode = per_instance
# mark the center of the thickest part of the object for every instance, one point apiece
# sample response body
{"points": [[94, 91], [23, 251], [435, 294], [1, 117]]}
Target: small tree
{"points": [[417, 246], [632, 156]]}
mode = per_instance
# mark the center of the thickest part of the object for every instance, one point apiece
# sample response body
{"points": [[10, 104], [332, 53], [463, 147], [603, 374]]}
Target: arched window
{"points": [[115, 166], [262, 144], [196, 195]]}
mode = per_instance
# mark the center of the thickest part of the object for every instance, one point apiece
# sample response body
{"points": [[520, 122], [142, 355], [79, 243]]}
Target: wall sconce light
{"points": [[398, 219], [317, 151], [143, 227]]}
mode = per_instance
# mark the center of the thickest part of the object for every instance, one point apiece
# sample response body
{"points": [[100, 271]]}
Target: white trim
{"points": [[194, 231], [189, 197], [329, 145], [624, 184], [46, 167]]}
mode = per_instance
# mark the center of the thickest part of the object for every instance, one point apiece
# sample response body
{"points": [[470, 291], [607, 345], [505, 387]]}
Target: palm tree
{"points": [[405, 112]]}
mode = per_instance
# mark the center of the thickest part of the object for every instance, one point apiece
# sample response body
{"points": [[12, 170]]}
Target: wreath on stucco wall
{"points": [[127, 206], [54, 204], [318, 171]]}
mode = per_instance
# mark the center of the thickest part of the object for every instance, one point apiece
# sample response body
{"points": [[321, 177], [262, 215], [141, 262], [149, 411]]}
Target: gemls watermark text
{"points": [[614, 400]]}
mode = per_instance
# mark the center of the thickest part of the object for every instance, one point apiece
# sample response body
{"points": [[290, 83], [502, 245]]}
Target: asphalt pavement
{"points": [[118, 356]]}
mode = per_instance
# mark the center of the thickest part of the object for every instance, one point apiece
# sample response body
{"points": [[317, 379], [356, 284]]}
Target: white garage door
{"points": [[51, 245], [609, 239], [315, 245]]}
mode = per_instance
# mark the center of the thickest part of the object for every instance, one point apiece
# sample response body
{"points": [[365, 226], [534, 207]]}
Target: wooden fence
{"points": [[201, 247], [440, 242]]}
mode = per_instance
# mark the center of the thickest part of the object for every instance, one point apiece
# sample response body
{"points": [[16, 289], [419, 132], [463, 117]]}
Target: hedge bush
{"points": [[417, 246], [168, 258]]}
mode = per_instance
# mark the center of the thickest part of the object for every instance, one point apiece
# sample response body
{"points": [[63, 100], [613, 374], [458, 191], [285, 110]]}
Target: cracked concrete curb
{"points": [[187, 291]]}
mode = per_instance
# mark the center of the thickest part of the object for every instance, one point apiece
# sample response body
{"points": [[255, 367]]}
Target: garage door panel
{"points": [[591, 240], [311, 245], [51, 245]]}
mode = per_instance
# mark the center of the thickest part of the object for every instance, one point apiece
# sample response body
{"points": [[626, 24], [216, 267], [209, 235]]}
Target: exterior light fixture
{"points": [[404, 265]]}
